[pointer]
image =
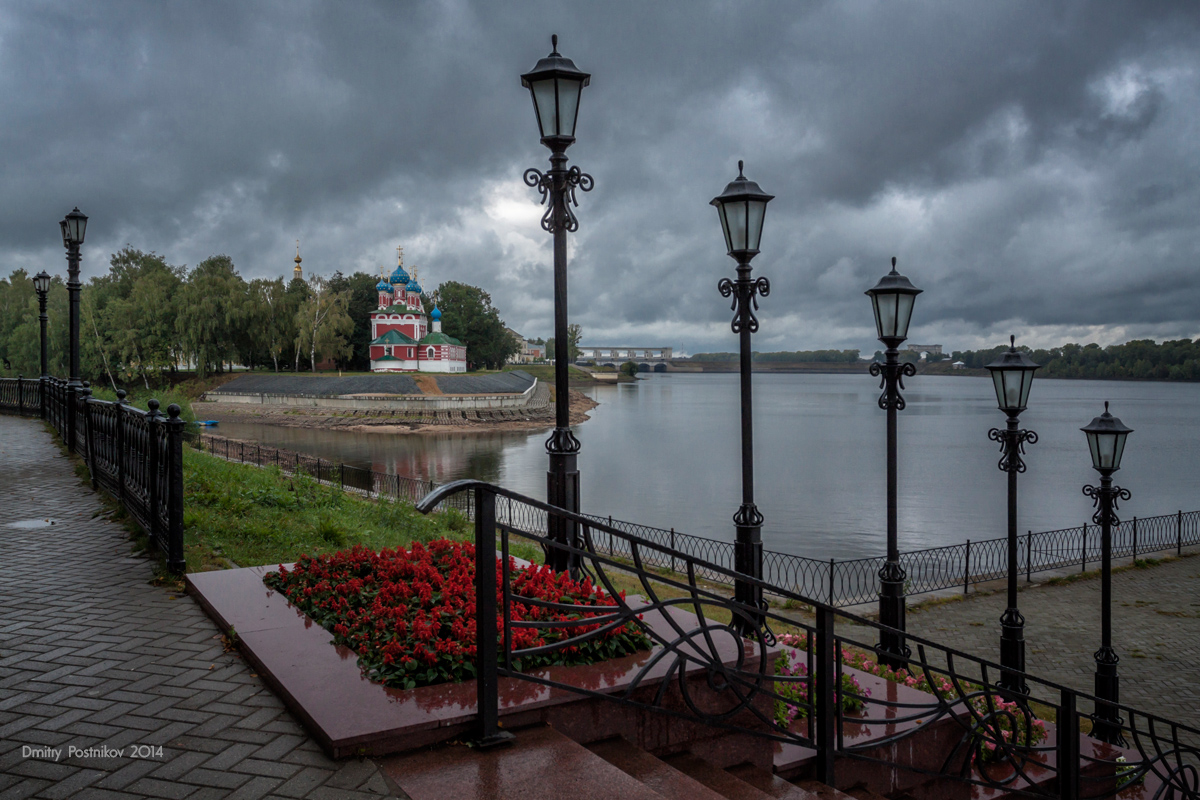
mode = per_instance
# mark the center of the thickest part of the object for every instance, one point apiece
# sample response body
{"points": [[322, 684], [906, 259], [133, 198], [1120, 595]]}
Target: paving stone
{"points": [[117, 662]]}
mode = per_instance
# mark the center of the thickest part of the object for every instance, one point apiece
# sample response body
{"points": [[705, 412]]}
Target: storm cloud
{"points": [[1033, 165]]}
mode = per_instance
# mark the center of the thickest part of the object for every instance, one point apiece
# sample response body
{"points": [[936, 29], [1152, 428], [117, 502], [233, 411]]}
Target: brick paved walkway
{"points": [[1156, 631], [92, 656]]}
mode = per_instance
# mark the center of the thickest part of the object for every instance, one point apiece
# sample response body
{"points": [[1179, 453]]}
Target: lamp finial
{"points": [[893, 263], [554, 44], [1012, 342], [741, 166]]}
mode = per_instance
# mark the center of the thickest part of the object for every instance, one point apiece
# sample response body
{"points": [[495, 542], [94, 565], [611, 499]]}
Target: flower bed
{"points": [[410, 614]]}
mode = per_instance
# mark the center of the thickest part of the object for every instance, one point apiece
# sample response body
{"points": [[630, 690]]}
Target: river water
{"points": [[665, 452]]}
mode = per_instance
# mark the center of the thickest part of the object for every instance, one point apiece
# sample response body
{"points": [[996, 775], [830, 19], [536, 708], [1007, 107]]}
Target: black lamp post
{"points": [[74, 225], [1106, 439], [741, 208], [556, 85], [41, 285], [892, 299], [1012, 375]]}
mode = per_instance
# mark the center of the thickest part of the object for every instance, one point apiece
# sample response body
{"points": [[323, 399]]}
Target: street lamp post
{"points": [[1106, 439], [556, 85], [41, 285], [1012, 375], [73, 226], [741, 208], [892, 300]]}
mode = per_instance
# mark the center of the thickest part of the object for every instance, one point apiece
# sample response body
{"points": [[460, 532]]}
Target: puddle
{"points": [[32, 523]]}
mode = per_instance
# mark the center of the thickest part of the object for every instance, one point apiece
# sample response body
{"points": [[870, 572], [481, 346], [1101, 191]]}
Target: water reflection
{"points": [[665, 452]]}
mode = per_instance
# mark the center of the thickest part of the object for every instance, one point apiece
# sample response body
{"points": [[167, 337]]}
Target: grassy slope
{"points": [[254, 516]]}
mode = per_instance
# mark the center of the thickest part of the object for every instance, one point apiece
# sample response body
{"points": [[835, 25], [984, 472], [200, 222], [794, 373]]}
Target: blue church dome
{"points": [[413, 286], [436, 314], [399, 277], [383, 286]]}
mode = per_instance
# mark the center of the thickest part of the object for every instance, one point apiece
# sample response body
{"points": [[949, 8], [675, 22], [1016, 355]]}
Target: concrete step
{"points": [[655, 773], [863, 793], [540, 764], [823, 791], [770, 783], [720, 781]]}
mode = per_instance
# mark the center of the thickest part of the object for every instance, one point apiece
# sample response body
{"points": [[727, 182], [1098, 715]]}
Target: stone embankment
{"points": [[397, 403]]}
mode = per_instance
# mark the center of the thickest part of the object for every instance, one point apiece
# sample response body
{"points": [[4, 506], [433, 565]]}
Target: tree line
{"points": [[1140, 359], [146, 319]]}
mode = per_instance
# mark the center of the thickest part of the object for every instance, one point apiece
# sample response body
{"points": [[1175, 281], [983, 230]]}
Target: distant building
{"points": [[403, 338], [528, 352], [959, 365], [932, 349], [297, 274]]}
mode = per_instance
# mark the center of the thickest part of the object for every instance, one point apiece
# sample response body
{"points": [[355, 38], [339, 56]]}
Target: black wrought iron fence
{"points": [[840, 583], [134, 455], [942, 721]]}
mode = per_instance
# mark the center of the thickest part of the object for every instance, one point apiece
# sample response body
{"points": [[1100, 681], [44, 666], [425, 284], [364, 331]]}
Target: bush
{"points": [[629, 368]]}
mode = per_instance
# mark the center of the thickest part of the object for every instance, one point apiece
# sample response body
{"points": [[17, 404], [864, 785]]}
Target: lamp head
{"points": [[556, 85], [892, 299], [742, 207]]}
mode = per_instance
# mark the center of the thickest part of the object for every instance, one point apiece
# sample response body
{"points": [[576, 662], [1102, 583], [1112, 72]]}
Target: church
{"points": [[403, 337]]}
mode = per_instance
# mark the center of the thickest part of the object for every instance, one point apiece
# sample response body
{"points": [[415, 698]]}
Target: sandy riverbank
{"points": [[399, 421]]}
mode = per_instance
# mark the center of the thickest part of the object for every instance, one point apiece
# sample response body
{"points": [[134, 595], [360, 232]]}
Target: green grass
{"points": [[139, 397], [254, 515]]}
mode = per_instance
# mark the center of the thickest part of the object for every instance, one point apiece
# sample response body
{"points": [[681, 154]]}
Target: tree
{"points": [[273, 321], [630, 368], [323, 324], [363, 299], [468, 315], [574, 335], [211, 310]]}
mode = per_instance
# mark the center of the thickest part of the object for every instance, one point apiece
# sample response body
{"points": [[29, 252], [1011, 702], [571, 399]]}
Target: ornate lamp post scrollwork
{"points": [[1012, 375], [892, 300], [741, 208], [556, 85], [1106, 437], [73, 227]]}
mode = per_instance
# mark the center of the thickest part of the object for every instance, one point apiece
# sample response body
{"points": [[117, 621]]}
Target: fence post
{"points": [[120, 424], [1135, 539], [342, 475], [1068, 747], [967, 569], [487, 683], [825, 705], [1179, 533], [20, 394], [154, 422], [1028, 556], [69, 402], [674, 568], [831, 568], [90, 456], [1083, 553], [175, 560]]}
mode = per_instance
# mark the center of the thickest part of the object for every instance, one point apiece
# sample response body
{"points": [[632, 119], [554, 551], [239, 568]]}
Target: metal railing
{"points": [[838, 583], [136, 456], [713, 661]]}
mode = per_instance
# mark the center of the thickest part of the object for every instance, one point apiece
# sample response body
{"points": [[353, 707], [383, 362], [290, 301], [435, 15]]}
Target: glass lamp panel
{"points": [[1106, 444], [735, 215], [998, 380], [756, 210], [1094, 447], [41, 283], [904, 307], [79, 227], [66, 234], [1026, 385], [568, 105], [1119, 449], [547, 106], [885, 314], [724, 217]]}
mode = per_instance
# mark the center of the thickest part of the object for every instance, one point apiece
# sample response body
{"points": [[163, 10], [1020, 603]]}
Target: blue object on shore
{"points": [[206, 423]]}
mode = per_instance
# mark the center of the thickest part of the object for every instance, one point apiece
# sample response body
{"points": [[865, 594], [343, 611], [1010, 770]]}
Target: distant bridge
{"points": [[599, 354]]}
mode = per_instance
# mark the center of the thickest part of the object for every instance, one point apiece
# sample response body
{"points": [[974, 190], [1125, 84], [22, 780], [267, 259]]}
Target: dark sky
{"points": [[1033, 165]]}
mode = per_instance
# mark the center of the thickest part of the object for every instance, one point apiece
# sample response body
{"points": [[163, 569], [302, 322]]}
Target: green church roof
{"points": [[437, 337], [394, 337], [387, 358]]}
